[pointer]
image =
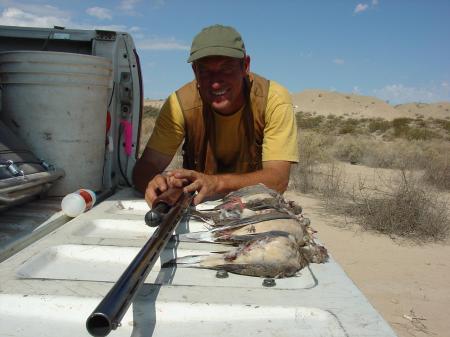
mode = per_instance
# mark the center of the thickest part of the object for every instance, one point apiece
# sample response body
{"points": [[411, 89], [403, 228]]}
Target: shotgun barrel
{"points": [[109, 312]]}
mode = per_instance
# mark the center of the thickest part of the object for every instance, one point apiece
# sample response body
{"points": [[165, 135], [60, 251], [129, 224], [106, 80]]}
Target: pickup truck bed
{"points": [[50, 287], [21, 225]]}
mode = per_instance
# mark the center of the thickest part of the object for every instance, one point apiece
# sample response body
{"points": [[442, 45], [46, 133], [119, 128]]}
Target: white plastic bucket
{"points": [[56, 102]]}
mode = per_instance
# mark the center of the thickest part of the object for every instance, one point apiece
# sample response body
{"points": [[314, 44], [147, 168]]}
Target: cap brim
{"points": [[216, 51]]}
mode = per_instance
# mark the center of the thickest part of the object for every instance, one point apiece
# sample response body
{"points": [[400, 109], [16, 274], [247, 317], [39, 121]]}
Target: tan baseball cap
{"points": [[217, 40]]}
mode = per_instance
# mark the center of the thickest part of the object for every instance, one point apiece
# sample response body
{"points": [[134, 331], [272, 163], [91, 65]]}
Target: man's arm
{"points": [[274, 174]]}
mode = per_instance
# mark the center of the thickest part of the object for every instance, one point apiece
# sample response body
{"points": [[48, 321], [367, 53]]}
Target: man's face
{"points": [[221, 81]]}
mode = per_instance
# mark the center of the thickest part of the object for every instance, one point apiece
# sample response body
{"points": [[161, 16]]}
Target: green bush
{"points": [[401, 126], [379, 125], [347, 129], [420, 122], [419, 134], [445, 124], [306, 121], [349, 125]]}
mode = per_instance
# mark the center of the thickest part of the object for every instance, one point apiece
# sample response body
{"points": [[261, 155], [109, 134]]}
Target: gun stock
{"points": [[109, 312]]}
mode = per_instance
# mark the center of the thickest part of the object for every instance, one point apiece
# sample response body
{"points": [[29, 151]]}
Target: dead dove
{"points": [[247, 202], [273, 254], [227, 233]]}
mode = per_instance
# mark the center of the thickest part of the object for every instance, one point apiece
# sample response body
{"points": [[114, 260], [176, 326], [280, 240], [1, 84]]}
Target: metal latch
{"points": [[13, 168]]}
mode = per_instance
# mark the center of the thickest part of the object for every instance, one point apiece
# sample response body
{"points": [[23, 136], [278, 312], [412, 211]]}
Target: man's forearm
{"points": [[148, 166], [275, 177], [141, 177]]}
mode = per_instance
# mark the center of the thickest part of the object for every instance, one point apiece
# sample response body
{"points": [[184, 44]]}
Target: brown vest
{"points": [[198, 154]]}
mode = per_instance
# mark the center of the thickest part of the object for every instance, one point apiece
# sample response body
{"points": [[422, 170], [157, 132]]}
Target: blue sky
{"points": [[396, 50]]}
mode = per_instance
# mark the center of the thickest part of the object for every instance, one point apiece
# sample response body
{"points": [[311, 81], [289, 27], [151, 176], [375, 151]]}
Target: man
{"points": [[238, 128]]}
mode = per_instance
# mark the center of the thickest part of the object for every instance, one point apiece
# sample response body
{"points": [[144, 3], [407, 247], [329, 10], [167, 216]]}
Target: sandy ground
{"points": [[408, 284]]}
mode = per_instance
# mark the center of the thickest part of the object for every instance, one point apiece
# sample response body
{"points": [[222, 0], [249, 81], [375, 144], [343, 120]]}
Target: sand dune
{"points": [[435, 110], [322, 102]]}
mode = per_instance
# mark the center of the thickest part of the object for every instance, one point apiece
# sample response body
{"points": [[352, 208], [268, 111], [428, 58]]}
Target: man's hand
{"points": [[207, 185], [147, 174], [161, 183]]}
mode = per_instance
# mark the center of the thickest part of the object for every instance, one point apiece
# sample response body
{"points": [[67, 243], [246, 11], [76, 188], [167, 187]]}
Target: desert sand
{"points": [[436, 110], [408, 284]]}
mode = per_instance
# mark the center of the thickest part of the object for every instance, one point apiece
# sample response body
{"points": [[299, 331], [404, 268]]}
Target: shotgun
{"points": [[167, 211]]}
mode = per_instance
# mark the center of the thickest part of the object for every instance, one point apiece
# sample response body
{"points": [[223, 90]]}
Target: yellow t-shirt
{"points": [[280, 130]]}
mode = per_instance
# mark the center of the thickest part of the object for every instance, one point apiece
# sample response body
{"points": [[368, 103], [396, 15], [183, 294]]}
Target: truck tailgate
{"points": [[50, 287]]}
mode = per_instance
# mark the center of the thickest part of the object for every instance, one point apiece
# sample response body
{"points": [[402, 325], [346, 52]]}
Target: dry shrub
{"points": [[407, 208], [331, 182], [401, 126], [437, 170], [400, 154], [350, 126], [317, 172], [147, 125], [380, 154], [151, 111], [445, 124], [379, 124], [312, 150], [421, 134], [350, 148], [372, 152], [307, 121]]}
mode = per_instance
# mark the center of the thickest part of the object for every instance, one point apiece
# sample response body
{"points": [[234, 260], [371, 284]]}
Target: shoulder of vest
{"points": [[259, 85], [188, 96]]}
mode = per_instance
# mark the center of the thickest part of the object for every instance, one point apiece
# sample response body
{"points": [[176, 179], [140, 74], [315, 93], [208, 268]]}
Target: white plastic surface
{"points": [[132, 229], [57, 102], [165, 319], [50, 288], [106, 263]]}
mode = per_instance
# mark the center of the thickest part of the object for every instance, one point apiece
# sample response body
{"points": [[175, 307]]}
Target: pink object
{"points": [[127, 135]]}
